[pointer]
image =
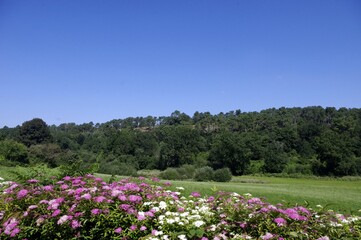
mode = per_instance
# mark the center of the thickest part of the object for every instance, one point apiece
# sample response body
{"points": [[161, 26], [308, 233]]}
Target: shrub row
{"points": [[200, 174]]}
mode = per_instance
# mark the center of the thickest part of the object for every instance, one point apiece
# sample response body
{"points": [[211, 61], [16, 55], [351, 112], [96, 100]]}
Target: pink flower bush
{"points": [[77, 207]]}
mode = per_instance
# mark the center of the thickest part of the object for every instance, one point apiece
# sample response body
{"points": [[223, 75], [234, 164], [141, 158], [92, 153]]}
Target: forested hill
{"points": [[311, 140]]}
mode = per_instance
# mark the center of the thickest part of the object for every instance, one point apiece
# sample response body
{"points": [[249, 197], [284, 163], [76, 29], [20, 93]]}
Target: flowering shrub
{"points": [[89, 208]]}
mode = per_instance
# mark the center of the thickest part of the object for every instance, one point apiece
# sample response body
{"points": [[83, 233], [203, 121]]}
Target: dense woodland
{"points": [[310, 140]]}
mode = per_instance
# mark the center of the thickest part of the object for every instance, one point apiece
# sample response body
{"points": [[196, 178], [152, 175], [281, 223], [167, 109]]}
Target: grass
{"points": [[341, 196]]}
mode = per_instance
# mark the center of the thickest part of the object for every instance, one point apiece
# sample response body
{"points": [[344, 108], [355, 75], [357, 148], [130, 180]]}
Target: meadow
{"points": [[340, 195]]}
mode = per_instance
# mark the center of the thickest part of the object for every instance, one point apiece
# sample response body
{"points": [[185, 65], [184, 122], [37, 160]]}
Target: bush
{"points": [[204, 174], [88, 208], [186, 171], [222, 175], [170, 174], [117, 168]]}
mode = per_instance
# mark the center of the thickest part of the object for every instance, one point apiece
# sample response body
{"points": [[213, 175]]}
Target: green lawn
{"points": [[341, 196]]}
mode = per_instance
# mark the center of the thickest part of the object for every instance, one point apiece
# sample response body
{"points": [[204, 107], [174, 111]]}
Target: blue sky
{"points": [[81, 61]]}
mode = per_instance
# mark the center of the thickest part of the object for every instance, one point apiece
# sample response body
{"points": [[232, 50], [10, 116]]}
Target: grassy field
{"points": [[341, 196]]}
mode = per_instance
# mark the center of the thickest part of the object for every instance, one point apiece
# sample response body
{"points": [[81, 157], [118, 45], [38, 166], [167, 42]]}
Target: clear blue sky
{"points": [[81, 61]]}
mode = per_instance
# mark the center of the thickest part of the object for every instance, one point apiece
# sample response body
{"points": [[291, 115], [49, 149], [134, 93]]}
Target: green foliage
{"points": [[222, 175], [181, 173], [13, 151], [34, 131], [170, 174], [325, 141], [230, 150], [40, 172], [78, 168], [204, 174], [118, 168]]}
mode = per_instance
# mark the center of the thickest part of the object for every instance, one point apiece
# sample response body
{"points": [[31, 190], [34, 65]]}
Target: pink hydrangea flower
{"points": [[195, 194], [280, 221], [75, 224], [96, 211], [33, 181], [22, 193], [64, 219]]}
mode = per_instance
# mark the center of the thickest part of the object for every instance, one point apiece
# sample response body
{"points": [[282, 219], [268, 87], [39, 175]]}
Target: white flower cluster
{"points": [[3, 183]]}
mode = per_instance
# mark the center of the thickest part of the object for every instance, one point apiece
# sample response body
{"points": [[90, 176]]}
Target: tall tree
{"points": [[34, 132]]}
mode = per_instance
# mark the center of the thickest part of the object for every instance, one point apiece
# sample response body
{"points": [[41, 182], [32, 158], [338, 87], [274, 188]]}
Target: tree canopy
{"points": [[310, 140]]}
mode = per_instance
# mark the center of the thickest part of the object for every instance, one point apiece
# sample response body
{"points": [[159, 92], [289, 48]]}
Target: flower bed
{"points": [[89, 208]]}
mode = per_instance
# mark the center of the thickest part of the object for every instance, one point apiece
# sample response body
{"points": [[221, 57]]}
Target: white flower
{"points": [[198, 223], [1, 179], [162, 205], [170, 221], [182, 237], [156, 209], [180, 188]]}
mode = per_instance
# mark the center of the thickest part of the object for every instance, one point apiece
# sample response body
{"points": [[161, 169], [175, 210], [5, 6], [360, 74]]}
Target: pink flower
{"points": [[167, 184], [323, 238], [180, 209], [55, 213], [75, 224], [32, 207], [64, 186], [33, 181], [141, 217], [22, 193], [14, 232], [143, 228], [195, 194], [96, 211], [86, 196], [134, 198], [48, 188], [149, 214], [267, 236], [118, 230], [67, 178], [280, 221], [63, 219], [99, 199], [154, 179], [133, 227], [79, 190], [11, 227]]}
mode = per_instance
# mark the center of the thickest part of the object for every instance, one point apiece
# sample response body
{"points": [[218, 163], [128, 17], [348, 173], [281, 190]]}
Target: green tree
{"points": [[230, 150], [34, 132], [13, 151]]}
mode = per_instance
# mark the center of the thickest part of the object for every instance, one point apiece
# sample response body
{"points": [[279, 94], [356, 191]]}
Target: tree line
{"points": [[311, 140]]}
